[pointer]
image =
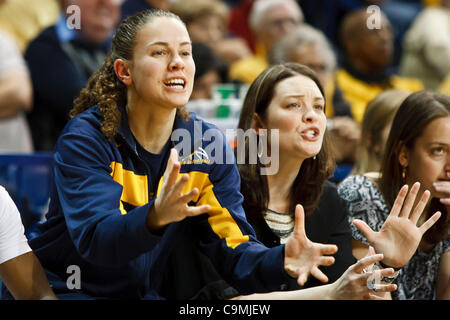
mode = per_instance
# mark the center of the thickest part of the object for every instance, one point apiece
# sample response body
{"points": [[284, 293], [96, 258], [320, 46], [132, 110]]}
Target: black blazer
{"points": [[328, 224]]}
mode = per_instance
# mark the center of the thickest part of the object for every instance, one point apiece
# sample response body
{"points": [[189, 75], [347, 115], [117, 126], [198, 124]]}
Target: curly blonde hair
{"points": [[104, 88]]}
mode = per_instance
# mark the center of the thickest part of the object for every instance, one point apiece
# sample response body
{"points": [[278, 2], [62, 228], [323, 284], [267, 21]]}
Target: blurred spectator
{"points": [[269, 20], [207, 99], [24, 19], [131, 7], [367, 57], [401, 14], [327, 15], [15, 98], [375, 127], [61, 60], [206, 21], [238, 23], [309, 46], [426, 48], [209, 71]]}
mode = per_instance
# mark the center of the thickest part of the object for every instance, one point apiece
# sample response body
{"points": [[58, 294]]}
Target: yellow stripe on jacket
{"points": [[220, 219], [135, 187]]}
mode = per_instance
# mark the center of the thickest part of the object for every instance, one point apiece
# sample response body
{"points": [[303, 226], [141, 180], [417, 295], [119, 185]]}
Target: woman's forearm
{"points": [[323, 292]]}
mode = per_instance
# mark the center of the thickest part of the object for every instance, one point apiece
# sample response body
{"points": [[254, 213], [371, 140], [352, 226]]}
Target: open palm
{"points": [[171, 205], [399, 236], [302, 256]]}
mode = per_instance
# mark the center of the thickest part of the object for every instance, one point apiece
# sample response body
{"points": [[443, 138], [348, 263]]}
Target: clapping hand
{"points": [[302, 256], [400, 236]]}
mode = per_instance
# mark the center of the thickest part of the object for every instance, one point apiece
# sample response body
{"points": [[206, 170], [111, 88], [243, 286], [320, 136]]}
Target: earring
{"points": [[260, 149], [314, 158], [404, 173]]}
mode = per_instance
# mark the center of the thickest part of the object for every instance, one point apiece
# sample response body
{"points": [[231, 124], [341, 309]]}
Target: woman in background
{"points": [[375, 127], [207, 22], [417, 149]]}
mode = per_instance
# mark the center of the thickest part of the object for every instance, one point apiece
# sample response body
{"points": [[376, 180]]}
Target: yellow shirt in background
{"points": [[248, 69], [358, 93], [431, 2], [25, 19], [445, 87]]}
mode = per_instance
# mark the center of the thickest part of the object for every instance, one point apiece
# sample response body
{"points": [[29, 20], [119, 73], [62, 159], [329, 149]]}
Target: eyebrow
{"points": [[302, 96], [439, 143], [166, 44]]}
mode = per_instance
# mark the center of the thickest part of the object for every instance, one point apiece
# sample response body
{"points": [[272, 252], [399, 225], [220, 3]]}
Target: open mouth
{"points": [[311, 133], [176, 83]]}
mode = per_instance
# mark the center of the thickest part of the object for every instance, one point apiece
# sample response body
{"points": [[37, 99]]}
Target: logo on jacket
{"points": [[199, 156]]}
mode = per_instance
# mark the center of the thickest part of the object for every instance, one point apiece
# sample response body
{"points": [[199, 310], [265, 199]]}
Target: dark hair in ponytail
{"points": [[104, 88]]}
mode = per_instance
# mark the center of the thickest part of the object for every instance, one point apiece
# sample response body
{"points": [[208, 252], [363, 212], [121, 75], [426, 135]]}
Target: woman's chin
{"points": [[310, 153]]}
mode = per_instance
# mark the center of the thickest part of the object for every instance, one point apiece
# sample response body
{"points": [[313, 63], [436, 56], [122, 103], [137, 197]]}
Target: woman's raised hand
{"points": [[400, 236], [302, 256], [172, 205]]}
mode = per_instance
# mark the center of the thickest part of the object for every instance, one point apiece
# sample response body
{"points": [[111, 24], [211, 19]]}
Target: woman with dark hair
{"points": [[418, 149], [297, 111], [123, 198]]}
